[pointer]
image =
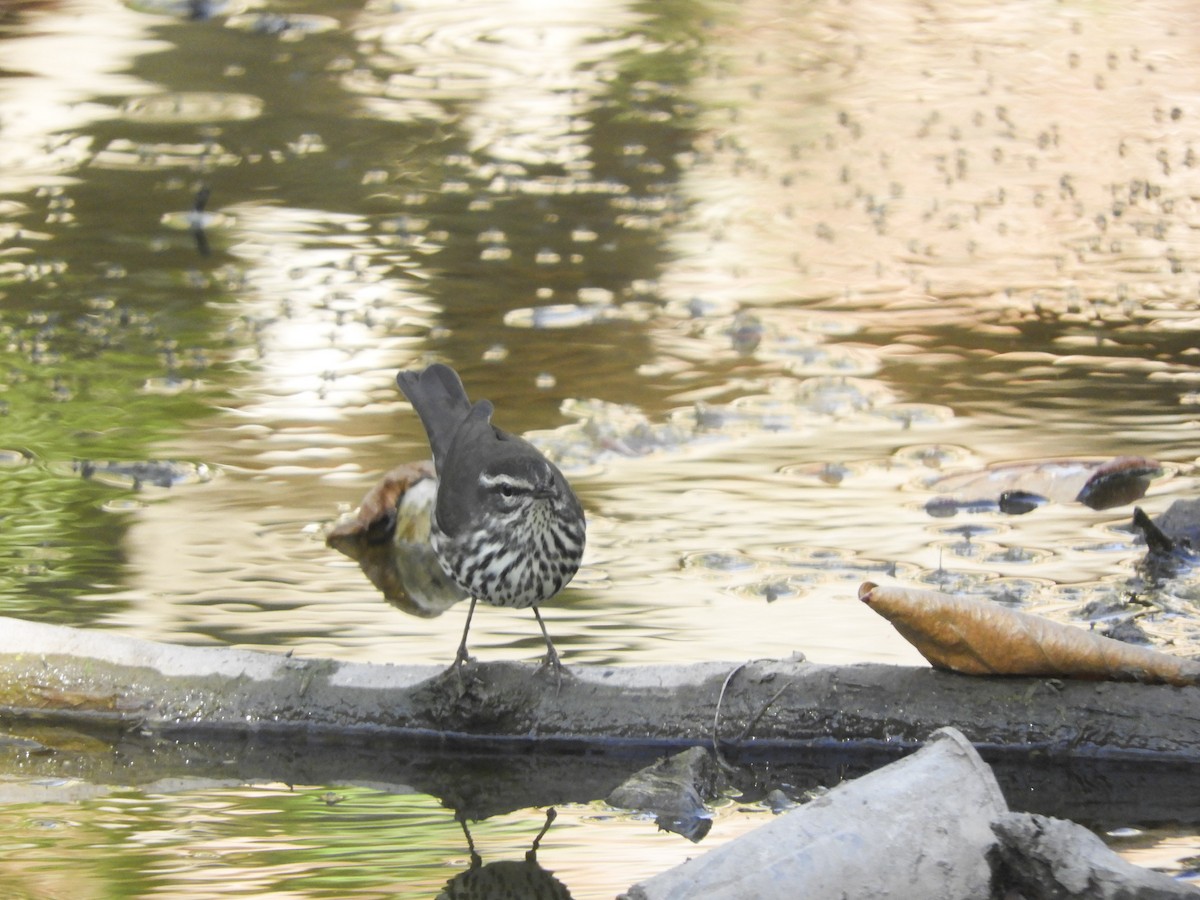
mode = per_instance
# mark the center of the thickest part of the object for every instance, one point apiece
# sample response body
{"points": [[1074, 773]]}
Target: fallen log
{"points": [[775, 704], [222, 712]]}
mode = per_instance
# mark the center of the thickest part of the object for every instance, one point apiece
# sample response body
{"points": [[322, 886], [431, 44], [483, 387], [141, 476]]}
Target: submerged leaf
{"points": [[978, 637]]}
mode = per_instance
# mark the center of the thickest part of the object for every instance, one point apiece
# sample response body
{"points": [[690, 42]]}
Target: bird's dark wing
{"points": [[470, 448]]}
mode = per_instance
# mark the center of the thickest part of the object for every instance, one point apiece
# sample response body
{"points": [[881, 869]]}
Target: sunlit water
{"points": [[816, 256]]}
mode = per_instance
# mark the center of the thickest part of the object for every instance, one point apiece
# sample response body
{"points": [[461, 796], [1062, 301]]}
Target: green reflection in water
{"points": [[232, 842], [88, 374]]}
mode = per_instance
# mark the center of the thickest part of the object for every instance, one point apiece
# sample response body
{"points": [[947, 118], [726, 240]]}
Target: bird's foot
{"points": [[550, 662], [462, 658], [459, 671]]}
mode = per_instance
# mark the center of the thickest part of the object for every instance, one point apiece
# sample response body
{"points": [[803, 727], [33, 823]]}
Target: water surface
{"points": [[756, 273]]}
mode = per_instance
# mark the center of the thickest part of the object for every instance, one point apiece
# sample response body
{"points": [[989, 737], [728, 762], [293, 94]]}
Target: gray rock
{"points": [[1040, 858], [918, 828], [674, 790]]}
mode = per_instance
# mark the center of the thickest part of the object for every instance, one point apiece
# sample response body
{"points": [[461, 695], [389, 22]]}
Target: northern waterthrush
{"points": [[506, 526]]}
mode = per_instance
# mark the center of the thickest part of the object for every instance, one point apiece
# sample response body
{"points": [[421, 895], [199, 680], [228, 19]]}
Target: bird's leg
{"points": [[531, 853], [551, 661], [476, 860], [462, 656]]}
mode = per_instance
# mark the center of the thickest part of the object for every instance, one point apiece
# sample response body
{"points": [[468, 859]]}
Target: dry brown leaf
{"points": [[978, 637], [388, 536], [375, 519]]}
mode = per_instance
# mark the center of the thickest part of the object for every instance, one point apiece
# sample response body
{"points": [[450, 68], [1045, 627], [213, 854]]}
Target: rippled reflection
{"points": [[211, 841], [49, 102], [732, 309], [525, 73]]}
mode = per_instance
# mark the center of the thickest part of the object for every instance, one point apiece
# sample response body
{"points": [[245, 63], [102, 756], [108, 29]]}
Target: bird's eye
{"points": [[507, 490]]}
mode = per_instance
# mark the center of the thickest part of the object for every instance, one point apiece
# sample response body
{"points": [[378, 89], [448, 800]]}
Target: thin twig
{"points": [[754, 721], [716, 742]]}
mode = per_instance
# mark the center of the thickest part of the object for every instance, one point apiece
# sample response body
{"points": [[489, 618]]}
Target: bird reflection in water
{"points": [[505, 878]]}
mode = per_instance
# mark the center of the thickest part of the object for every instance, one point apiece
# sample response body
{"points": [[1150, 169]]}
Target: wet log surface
{"points": [[167, 711]]}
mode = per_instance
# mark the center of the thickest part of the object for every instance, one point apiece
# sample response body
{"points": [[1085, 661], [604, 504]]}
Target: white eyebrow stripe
{"points": [[489, 482]]}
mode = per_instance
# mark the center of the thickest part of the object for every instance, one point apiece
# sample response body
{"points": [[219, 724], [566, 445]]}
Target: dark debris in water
{"points": [[1012, 503], [674, 790], [1171, 540], [1017, 503], [1127, 630], [605, 430], [1019, 488], [143, 473], [1117, 617], [1181, 525], [1119, 482]]}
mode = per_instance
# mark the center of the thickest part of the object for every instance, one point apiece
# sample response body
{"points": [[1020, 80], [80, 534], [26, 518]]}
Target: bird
{"points": [[506, 526]]}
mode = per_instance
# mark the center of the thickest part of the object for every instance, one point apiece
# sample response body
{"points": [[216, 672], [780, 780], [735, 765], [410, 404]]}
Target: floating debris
{"points": [[1172, 540], [285, 26], [605, 430], [182, 107], [1018, 488], [674, 791], [11, 459], [123, 505], [164, 473], [718, 561], [574, 315], [196, 10], [1012, 503]]}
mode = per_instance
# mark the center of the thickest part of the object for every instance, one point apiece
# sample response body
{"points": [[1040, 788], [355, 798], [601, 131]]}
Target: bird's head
{"points": [[517, 484]]}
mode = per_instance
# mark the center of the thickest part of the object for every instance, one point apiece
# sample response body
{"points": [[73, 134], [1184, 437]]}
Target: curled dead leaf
{"points": [[388, 536], [977, 637], [1118, 482], [374, 521]]}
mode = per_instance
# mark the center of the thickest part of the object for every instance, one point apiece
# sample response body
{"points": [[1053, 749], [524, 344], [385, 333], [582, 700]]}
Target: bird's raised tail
{"points": [[438, 396]]}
